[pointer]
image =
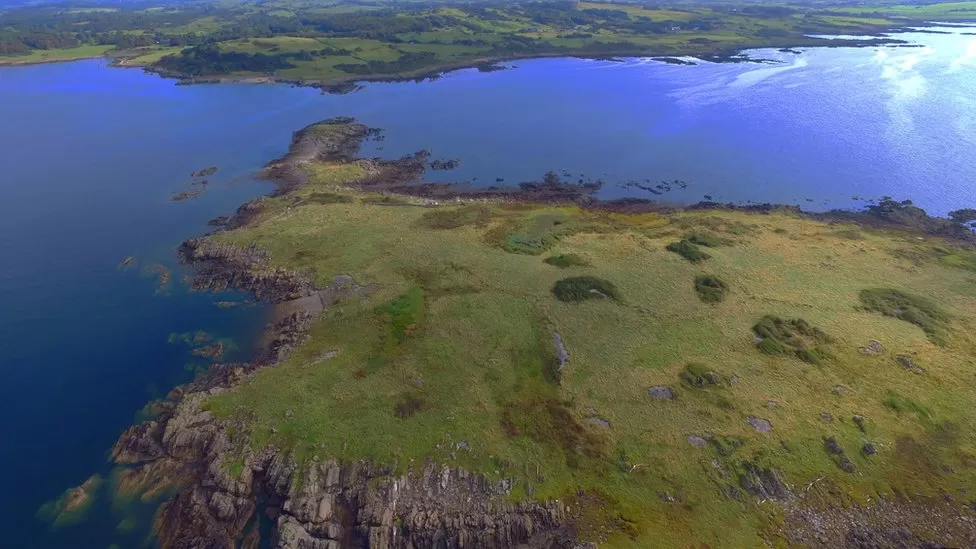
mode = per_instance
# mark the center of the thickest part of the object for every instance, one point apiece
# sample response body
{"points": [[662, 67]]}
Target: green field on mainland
{"points": [[853, 345], [948, 11], [302, 41], [53, 55]]}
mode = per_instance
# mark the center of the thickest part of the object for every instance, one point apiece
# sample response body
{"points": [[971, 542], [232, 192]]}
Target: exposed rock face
{"points": [[660, 392], [327, 505], [338, 506], [759, 424], [889, 524], [222, 266]]}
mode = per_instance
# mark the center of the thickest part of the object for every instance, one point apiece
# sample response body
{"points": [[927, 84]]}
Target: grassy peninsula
{"points": [[699, 378], [329, 44]]}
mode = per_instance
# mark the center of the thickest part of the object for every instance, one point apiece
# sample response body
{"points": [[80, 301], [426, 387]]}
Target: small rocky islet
{"points": [[531, 366]]}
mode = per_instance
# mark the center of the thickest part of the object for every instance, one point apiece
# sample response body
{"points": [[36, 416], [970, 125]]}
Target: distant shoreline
{"points": [[345, 84], [13, 62]]}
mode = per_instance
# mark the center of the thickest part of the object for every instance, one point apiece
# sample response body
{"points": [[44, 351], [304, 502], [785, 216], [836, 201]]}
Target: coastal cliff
{"points": [[328, 505]]}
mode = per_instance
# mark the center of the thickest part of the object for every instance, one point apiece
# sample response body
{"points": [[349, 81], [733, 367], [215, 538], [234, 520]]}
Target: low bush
{"points": [[566, 260], [710, 288], [796, 336], [688, 250], [707, 240], [581, 288], [699, 375], [910, 308]]}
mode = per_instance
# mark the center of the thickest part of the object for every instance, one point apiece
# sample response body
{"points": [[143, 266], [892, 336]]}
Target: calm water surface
{"points": [[90, 155]]}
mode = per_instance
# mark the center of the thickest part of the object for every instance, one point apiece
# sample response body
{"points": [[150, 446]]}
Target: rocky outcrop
{"points": [[357, 505], [327, 505], [891, 523], [221, 266], [335, 140]]}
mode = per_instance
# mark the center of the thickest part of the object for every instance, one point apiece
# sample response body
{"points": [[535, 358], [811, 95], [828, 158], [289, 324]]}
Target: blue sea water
{"points": [[90, 156]]}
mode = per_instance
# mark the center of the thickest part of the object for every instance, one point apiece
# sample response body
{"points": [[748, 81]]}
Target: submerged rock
{"points": [[205, 172], [72, 504]]}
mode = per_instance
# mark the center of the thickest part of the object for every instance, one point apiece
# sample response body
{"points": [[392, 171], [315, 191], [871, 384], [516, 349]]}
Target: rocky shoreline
{"points": [[222, 486]]}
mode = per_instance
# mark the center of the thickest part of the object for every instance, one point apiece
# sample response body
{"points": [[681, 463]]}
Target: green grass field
{"points": [[457, 345], [949, 11], [146, 56], [50, 56]]}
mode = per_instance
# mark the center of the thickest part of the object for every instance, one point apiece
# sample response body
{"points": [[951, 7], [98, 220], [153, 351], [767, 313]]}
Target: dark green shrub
{"points": [[566, 260], [710, 288], [815, 355], [963, 216], [707, 240], [699, 375], [580, 288], [777, 336], [910, 308], [788, 331], [772, 346], [688, 250]]}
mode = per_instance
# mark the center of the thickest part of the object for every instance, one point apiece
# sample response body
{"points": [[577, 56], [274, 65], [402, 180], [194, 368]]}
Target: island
{"points": [[536, 367]]}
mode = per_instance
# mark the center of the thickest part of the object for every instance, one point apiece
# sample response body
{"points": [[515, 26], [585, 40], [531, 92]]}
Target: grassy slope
{"points": [[470, 348]]}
